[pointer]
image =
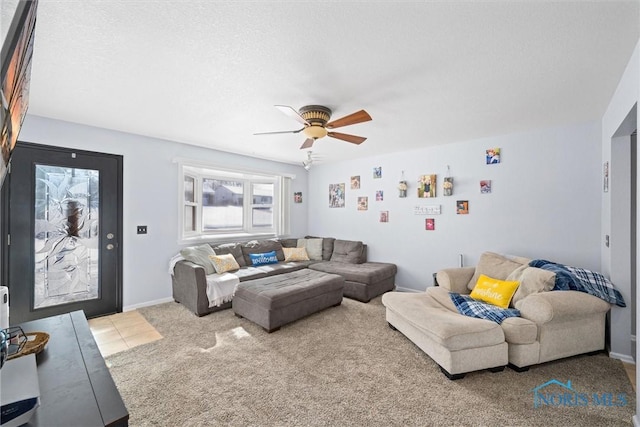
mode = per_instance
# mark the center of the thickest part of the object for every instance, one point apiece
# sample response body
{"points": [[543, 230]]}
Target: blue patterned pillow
{"points": [[263, 259]]}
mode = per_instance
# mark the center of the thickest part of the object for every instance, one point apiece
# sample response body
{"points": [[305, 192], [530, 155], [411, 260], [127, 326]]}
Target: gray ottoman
{"points": [[362, 281], [277, 300]]}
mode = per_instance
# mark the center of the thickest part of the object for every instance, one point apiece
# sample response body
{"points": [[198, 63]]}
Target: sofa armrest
{"points": [[189, 284], [550, 306], [455, 279]]}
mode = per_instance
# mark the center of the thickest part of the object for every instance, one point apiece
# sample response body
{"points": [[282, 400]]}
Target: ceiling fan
{"points": [[315, 119]]}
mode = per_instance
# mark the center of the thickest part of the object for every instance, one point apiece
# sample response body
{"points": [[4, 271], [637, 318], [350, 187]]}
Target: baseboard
{"points": [[401, 289], [146, 304], [636, 421], [623, 357]]}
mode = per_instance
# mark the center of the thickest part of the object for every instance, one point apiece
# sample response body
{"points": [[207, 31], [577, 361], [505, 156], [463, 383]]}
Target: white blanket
{"points": [[173, 261], [221, 288]]}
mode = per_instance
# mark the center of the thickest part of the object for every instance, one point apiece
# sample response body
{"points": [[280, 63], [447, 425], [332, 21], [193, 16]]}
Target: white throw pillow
{"points": [[313, 247]]}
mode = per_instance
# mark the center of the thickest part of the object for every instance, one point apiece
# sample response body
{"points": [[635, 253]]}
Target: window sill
{"points": [[224, 238]]}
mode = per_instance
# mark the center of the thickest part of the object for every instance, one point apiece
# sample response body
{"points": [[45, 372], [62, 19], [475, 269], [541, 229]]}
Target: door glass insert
{"points": [[66, 235]]}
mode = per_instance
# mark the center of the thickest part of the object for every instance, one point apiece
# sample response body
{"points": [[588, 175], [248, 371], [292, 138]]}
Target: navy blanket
{"points": [[578, 279], [474, 308]]}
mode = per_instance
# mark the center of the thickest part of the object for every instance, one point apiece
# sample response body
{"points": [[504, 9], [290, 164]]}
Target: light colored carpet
{"points": [[341, 367]]}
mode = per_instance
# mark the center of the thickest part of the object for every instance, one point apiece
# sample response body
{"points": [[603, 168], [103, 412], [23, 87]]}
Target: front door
{"points": [[64, 232]]}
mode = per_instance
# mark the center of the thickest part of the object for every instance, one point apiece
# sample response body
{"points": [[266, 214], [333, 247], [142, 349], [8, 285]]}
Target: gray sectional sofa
{"points": [[362, 280]]}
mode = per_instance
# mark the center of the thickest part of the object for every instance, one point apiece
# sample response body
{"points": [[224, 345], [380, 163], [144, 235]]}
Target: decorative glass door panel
{"points": [[66, 235]]}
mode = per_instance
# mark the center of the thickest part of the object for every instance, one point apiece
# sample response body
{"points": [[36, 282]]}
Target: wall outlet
{"points": [[142, 229]]}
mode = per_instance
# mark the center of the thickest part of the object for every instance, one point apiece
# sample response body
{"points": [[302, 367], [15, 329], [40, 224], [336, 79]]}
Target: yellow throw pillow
{"points": [[224, 263], [295, 254], [494, 291]]}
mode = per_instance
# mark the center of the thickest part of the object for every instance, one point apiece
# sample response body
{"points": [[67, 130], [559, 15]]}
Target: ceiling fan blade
{"points": [[308, 143], [284, 131], [351, 119], [291, 112], [349, 138]]}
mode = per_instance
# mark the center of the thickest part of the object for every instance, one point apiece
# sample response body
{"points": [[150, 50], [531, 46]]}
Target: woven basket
{"points": [[34, 345]]}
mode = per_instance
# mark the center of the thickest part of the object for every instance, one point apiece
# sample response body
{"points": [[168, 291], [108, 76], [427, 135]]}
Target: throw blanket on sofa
{"points": [[474, 308], [221, 288], [578, 279]]}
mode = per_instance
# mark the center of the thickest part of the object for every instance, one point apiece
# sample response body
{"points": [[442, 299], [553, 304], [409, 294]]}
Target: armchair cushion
{"points": [[496, 266], [532, 281]]}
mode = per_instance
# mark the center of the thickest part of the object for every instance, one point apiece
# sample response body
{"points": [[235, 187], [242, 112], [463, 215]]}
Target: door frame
{"points": [[5, 275]]}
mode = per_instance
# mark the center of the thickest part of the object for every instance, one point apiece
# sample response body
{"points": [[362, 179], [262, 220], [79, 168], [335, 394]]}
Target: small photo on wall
{"points": [[427, 186], [493, 156], [377, 172], [355, 182], [384, 216], [297, 197], [336, 195], [430, 224], [363, 203], [462, 207], [485, 186], [379, 196]]}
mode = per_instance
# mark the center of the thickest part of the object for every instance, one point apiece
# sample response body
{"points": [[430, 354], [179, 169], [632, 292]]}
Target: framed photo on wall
{"points": [[336, 195]]}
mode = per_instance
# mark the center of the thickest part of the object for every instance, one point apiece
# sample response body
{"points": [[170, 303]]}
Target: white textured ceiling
{"points": [[209, 72]]}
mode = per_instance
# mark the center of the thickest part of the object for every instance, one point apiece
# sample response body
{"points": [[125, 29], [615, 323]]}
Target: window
{"points": [[225, 203]]}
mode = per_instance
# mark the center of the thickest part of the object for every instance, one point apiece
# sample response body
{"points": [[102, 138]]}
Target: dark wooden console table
{"points": [[76, 388]]}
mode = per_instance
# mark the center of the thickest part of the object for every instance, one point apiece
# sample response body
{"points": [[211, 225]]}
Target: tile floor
{"points": [[122, 331]]}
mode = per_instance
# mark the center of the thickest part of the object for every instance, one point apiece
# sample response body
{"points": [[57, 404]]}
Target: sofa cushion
{"points": [[519, 331], [200, 255], [224, 263], [347, 251], [494, 265], [250, 273], [532, 280], [282, 267], [260, 247], [234, 249], [289, 243], [263, 258], [367, 273], [494, 291], [313, 247], [295, 254]]}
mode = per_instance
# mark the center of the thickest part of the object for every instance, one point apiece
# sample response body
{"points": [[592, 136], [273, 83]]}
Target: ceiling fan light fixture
{"points": [[315, 132]]}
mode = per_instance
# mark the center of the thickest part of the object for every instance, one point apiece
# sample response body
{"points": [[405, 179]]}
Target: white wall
{"points": [[616, 123], [151, 194], [545, 203], [616, 118]]}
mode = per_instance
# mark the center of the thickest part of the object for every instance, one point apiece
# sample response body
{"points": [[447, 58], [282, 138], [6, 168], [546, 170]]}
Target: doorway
{"points": [[64, 228]]}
